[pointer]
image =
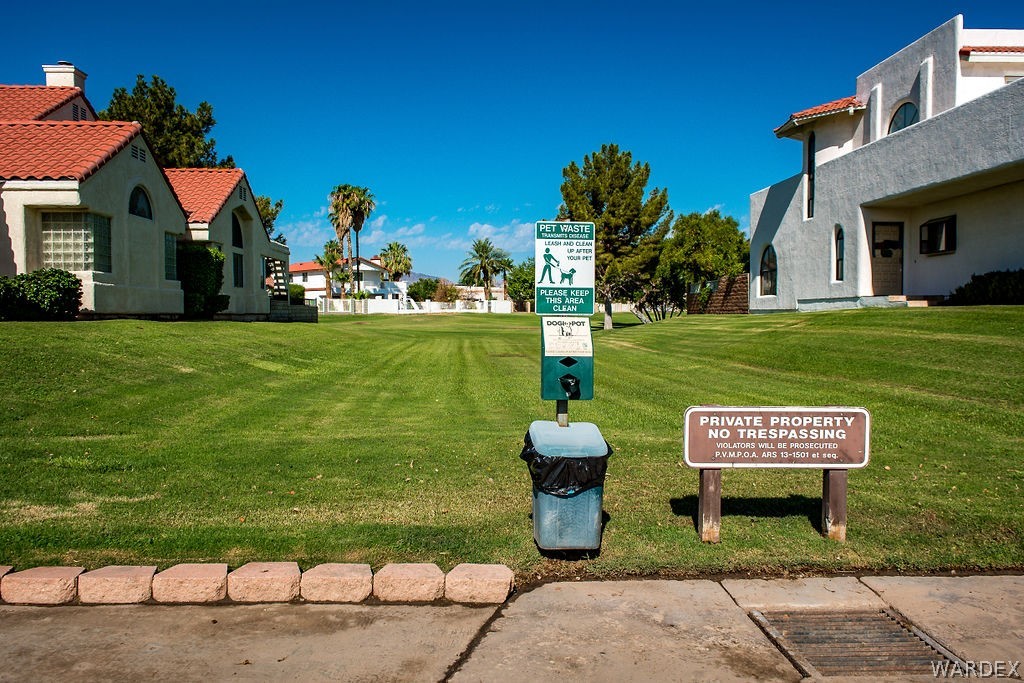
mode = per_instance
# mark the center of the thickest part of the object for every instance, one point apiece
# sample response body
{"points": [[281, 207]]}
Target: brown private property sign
{"points": [[718, 437]]}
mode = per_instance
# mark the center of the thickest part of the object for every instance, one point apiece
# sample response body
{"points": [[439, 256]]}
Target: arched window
{"points": [[138, 204], [237, 257], [906, 115], [769, 271], [236, 232], [840, 253]]}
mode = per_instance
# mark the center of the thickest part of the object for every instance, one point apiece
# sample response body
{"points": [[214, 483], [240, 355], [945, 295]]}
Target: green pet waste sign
{"points": [[564, 273]]}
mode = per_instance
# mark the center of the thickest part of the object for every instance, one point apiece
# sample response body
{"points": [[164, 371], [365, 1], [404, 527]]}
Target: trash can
{"points": [[567, 466]]}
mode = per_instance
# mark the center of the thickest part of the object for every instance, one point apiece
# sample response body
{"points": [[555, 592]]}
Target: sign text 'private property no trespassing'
{"points": [[826, 438]]}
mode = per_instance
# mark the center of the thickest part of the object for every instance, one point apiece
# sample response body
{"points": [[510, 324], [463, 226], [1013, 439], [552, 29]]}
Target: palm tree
{"points": [[504, 266], [483, 262], [350, 206], [329, 261], [395, 257]]}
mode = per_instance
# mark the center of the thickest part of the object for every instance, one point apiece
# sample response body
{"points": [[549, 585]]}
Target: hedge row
{"points": [[48, 294], [999, 287]]}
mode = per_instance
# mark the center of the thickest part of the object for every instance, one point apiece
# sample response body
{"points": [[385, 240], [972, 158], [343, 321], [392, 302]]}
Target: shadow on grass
{"points": [[793, 505], [574, 555]]}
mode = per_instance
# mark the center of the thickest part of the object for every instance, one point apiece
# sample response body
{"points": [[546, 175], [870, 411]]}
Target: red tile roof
{"points": [[203, 191], [51, 150], [966, 50], [19, 102], [313, 266], [834, 107]]}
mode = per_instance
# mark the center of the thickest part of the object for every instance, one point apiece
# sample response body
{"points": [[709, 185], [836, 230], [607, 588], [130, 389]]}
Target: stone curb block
{"points": [[116, 585], [191, 583], [337, 583], [479, 583], [414, 582], [265, 582], [256, 582], [41, 586], [4, 569]]}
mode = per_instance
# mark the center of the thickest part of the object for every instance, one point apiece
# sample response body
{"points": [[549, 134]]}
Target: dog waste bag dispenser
{"points": [[567, 359]]}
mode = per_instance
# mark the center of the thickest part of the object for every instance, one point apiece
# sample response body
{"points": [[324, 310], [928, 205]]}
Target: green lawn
{"points": [[378, 439]]}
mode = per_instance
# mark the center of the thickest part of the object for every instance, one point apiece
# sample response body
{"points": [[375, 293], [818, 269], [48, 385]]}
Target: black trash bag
{"points": [[564, 476]]}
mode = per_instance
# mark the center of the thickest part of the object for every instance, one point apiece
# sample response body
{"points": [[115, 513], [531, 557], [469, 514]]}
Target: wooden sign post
{"points": [[719, 437]]}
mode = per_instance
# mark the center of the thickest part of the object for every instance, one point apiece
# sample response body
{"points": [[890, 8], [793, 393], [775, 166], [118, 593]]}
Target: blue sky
{"points": [[461, 115]]}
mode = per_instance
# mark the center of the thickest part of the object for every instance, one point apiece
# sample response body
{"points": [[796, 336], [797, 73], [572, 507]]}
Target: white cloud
{"points": [[510, 237], [321, 212], [409, 235], [378, 222], [716, 207], [307, 233]]}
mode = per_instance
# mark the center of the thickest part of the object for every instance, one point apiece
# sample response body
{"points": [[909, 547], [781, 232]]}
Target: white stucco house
{"points": [[222, 213], [908, 187], [376, 280], [87, 196]]}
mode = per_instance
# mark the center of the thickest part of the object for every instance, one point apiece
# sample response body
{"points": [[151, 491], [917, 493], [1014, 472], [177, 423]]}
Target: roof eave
{"points": [[785, 129]]}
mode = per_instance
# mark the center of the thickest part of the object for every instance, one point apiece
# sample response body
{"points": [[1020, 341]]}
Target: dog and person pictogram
{"points": [[549, 261]]}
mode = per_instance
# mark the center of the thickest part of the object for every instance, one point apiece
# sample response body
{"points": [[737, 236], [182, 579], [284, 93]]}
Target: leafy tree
{"points": [[269, 211], [423, 289], [395, 257], [349, 207], [445, 291], [609, 191], [177, 136], [709, 246], [519, 283], [483, 262], [330, 262]]}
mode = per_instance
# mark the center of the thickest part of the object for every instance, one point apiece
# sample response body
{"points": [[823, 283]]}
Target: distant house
{"points": [[908, 187], [87, 196], [222, 212], [376, 280]]}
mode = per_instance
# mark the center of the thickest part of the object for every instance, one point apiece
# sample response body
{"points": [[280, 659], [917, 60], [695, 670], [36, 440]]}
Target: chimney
{"points": [[64, 74]]}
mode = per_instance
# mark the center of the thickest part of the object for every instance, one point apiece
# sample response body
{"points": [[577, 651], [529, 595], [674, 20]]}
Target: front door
{"points": [[887, 258]]}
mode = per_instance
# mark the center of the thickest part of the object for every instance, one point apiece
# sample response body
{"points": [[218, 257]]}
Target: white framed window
{"points": [[76, 241]]}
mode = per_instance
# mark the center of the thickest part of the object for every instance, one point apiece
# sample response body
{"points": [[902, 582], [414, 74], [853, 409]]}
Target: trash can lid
{"points": [[578, 440]]}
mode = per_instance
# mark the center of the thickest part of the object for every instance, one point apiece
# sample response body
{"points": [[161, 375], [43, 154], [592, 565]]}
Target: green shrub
{"points": [[201, 271], [998, 287], [422, 289], [47, 294], [296, 293]]}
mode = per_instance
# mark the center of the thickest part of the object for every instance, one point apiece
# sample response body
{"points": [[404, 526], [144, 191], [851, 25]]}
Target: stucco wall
{"points": [[903, 78], [954, 162], [990, 236], [136, 283], [252, 297]]}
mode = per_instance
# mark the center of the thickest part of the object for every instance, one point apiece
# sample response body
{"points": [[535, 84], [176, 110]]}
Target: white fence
{"points": [[396, 306]]}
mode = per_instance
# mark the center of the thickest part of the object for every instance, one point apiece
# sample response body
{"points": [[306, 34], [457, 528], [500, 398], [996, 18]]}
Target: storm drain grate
{"points": [[852, 643]]}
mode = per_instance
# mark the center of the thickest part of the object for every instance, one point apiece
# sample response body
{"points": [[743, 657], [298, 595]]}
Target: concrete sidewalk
{"points": [[593, 631]]}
